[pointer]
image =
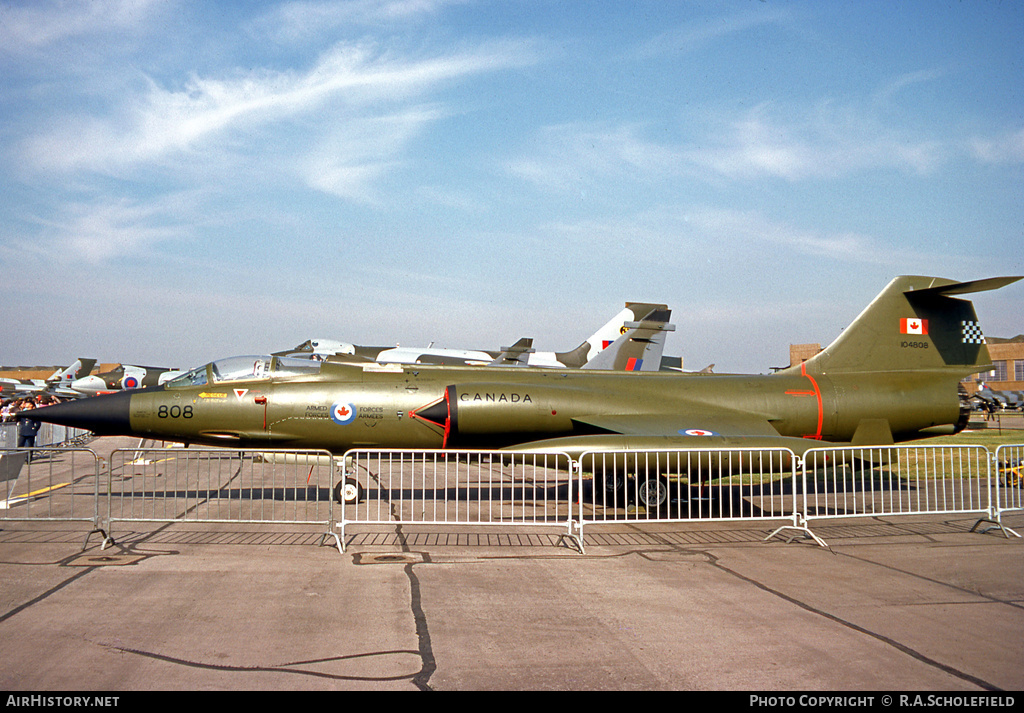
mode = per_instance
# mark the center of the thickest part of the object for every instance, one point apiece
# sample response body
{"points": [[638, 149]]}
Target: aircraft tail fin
{"points": [[914, 324], [639, 348], [515, 355], [607, 334], [575, 358], [84, 368], [80, 368]]}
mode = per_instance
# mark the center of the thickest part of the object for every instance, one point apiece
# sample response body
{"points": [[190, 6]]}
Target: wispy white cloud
{"points": [[754, 231], [568, 155], [91, 233], [892, 88], [349, 82], [827, 141], [33, 26], [699, 34], [1004, 148], [304, 20], [349, 161], [693, 230], [338, 127]]}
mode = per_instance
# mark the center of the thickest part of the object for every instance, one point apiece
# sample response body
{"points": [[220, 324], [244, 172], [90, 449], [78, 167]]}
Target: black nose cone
{"points": [[105, 415]]}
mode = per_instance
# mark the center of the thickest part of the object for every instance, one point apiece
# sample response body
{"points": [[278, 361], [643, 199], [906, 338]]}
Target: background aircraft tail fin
{"points": [[516, 355], [84, 368], [80, 368], [607, 334], [639, 348], [914, 324]]}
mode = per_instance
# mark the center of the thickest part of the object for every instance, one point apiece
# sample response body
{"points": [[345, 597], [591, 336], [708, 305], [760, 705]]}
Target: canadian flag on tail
{"points": [[913, 326]]}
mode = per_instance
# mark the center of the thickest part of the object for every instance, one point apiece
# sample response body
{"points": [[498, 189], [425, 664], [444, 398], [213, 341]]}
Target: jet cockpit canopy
{"points": [[245, 368]]}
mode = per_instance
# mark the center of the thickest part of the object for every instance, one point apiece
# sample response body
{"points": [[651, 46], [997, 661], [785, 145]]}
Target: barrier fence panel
{"points": [[49, 435], [221, 485], [894, 480], [50, 484], [687, 485], [1008, 480], [458, 487]]}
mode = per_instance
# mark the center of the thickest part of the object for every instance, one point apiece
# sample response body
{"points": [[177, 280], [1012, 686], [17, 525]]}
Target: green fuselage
{"points": [[345, 406]]}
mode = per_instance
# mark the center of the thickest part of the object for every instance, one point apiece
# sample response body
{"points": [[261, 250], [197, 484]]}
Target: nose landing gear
{"points": [[348, 491]]}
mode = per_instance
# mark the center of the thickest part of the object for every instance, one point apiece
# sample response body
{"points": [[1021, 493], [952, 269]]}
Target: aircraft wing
{"points": [[20, 387], [703, 428], [720, 423], [66, 393], [349, 359]]}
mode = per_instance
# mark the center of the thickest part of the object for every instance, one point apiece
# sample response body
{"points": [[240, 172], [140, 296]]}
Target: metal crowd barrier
{"points": [[221, 485], [677, 485], [49, 435], [460, 487], [57, 484], [507, 489], [897, 480]]}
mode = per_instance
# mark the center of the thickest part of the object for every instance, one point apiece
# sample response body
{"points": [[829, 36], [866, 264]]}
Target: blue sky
{"points": [[184, 181]]}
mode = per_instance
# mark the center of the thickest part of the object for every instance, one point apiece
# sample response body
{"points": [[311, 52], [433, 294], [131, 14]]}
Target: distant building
{"points": [[802, 352], [1007, 373], [44, 372], [28, 372]]}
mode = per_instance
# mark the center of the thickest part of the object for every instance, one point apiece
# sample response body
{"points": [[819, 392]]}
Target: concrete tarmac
{"points": [[915, 603]]}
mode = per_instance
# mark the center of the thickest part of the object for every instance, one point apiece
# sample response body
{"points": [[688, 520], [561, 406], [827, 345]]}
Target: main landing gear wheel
{"points": [[348, 491], [613, 484], [653, 493]]}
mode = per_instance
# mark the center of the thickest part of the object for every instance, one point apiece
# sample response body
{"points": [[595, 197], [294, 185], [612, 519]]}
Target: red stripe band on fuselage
{"points": [[817, 394]]}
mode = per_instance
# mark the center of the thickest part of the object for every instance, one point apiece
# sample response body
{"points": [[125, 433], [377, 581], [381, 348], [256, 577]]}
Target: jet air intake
{"points": [[488, 409]]}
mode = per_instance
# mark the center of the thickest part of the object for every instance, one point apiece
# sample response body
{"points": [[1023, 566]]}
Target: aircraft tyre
{"points": [[348, 491], [652, 493], [611, 483]]}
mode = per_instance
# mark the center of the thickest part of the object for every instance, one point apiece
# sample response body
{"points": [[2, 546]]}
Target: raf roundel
{"points": [[343, 413], [696, 432], [130, 382]]}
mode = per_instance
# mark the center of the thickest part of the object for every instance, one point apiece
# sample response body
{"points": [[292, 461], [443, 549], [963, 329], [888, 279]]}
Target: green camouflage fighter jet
{"points": [[892, 375]]}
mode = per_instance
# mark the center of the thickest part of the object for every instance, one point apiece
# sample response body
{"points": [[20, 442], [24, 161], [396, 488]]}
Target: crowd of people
{"points": [[13, 406], [27, 427]]}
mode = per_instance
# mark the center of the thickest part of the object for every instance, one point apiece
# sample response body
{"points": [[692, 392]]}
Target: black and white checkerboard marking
{"points": [[972, 333]]}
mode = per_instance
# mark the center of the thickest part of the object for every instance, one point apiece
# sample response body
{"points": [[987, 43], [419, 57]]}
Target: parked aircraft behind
{"points": [[519, 354], [893, 375], [58, 383], [124, 376], [1000, 399]]}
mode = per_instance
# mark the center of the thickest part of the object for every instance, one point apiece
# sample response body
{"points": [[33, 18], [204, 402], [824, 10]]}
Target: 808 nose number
{"points": [[174, 411]]}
